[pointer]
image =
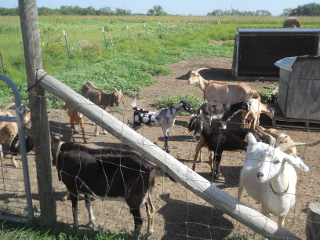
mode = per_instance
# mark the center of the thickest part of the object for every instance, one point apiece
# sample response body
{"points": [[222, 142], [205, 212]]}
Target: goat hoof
{"points": [[217, 176]]}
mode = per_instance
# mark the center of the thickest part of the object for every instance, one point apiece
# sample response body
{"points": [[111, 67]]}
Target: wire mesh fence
{"points": [[181, 214]]}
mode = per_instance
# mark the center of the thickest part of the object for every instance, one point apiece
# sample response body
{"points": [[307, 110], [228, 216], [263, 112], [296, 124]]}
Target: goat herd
{"points": [[267, 175]]}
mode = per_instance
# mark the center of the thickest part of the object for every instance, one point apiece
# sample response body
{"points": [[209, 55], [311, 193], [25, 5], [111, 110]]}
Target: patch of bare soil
{"points": [[180, 214]]}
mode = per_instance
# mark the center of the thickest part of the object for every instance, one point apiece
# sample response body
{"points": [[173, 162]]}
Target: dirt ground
{"points": [[180, 213]]}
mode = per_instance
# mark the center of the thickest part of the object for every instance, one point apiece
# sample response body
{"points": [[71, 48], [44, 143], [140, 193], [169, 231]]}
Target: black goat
{"points": [[214, 110], [219, 140], [163, 118], [105, 172]]}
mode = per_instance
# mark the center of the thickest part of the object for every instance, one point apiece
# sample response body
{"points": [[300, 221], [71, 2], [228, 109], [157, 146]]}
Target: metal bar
{"points": [[18, 108]]}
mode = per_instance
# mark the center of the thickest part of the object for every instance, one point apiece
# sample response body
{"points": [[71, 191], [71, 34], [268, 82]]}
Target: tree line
{"points": [[310, 9]]}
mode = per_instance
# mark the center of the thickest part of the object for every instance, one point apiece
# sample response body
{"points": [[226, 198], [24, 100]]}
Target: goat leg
{"points": [[150, 212], [72, 129], [14, 162], [82, 130], [74, 202], [88, 206], [137, 221]]}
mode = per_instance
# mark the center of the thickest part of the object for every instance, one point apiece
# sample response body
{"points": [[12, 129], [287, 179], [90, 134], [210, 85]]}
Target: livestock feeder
{"points": [[298, 95]]}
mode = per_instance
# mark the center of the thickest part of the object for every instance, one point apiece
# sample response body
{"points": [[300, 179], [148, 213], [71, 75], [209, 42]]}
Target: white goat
{"points": [[222, 92], [269, 177]]}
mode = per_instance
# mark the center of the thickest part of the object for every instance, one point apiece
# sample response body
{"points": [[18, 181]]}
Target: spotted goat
{"points": [[164, 118]]}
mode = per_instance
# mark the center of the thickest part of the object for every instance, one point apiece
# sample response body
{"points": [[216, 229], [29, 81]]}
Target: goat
{"points": [[219, 140], [8, 130], [101, 98], [222, 92], [164, 118], [214, 110], [280, 137], [269, 177], [105, 173], [75, 117], [252, 117], [15, 144]]}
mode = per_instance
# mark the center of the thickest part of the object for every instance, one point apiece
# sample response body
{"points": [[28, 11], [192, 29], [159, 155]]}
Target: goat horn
{"points": [[285, 146], [201, 69], [272, 140]]}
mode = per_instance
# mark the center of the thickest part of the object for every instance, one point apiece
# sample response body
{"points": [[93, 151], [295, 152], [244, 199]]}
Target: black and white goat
{"points": [[219, 140], [214, 110], [105, 173], [163, 118], [223, 111]]}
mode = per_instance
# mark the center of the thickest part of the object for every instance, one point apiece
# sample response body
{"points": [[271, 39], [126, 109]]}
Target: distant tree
{"points": [[122, 12], [286, 12], [106, 11], [310, 9], [263, 13], [46, 11], [236, 12], [157, 10], [9, 11]]}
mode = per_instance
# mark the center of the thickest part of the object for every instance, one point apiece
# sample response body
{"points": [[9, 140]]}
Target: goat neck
{"points": [[280, 184]]}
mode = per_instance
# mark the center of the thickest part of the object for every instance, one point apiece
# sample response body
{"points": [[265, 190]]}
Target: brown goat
{"points": [[222, 92], [101, 98], [8, 130], [75, 117]]}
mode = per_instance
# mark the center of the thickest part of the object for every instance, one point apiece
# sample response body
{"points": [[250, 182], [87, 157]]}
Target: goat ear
{"points": [[297, 162], [250, 139]]}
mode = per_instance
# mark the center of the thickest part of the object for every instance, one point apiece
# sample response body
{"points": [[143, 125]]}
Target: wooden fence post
{"points": [[313, 222], [39, 119]]}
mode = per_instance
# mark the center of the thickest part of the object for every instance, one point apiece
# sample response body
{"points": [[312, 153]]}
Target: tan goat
{"points": [[252, 117], [8, 130], [280, 137], [75, 117], [101, 98], [222, 92]]}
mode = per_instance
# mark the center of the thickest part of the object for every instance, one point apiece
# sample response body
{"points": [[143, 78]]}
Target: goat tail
{"points": [[134, 103], [256, 95]]}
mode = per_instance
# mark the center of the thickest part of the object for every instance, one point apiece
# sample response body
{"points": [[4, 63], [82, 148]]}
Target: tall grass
{"points": [[127, 55]]}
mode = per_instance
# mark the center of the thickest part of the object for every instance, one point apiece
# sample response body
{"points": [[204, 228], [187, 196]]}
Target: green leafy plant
{"points": [[172, 99]]}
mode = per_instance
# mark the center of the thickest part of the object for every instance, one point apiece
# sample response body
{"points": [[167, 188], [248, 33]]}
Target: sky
{"points": [[182, 7]]}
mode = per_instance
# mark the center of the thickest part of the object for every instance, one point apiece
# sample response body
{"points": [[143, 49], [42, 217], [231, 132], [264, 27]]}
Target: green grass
{"points": [[118, 57], [59, 231]]}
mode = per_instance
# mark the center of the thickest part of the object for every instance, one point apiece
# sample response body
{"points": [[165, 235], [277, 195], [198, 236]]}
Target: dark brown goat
{"points": [[101, 98], [105, 172]]}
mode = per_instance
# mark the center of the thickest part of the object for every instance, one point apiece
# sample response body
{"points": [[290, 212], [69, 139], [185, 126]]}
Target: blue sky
{"points": [[185, 7]]}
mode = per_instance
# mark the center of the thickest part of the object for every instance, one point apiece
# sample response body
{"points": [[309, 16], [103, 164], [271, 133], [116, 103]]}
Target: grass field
{"points": [[126, 54]]}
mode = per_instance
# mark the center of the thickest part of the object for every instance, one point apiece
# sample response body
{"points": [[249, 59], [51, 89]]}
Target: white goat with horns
{"points": [[269, 177]]}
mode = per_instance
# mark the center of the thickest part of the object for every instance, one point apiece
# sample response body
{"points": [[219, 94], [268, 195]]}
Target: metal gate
{"points": [[15, 194]]}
